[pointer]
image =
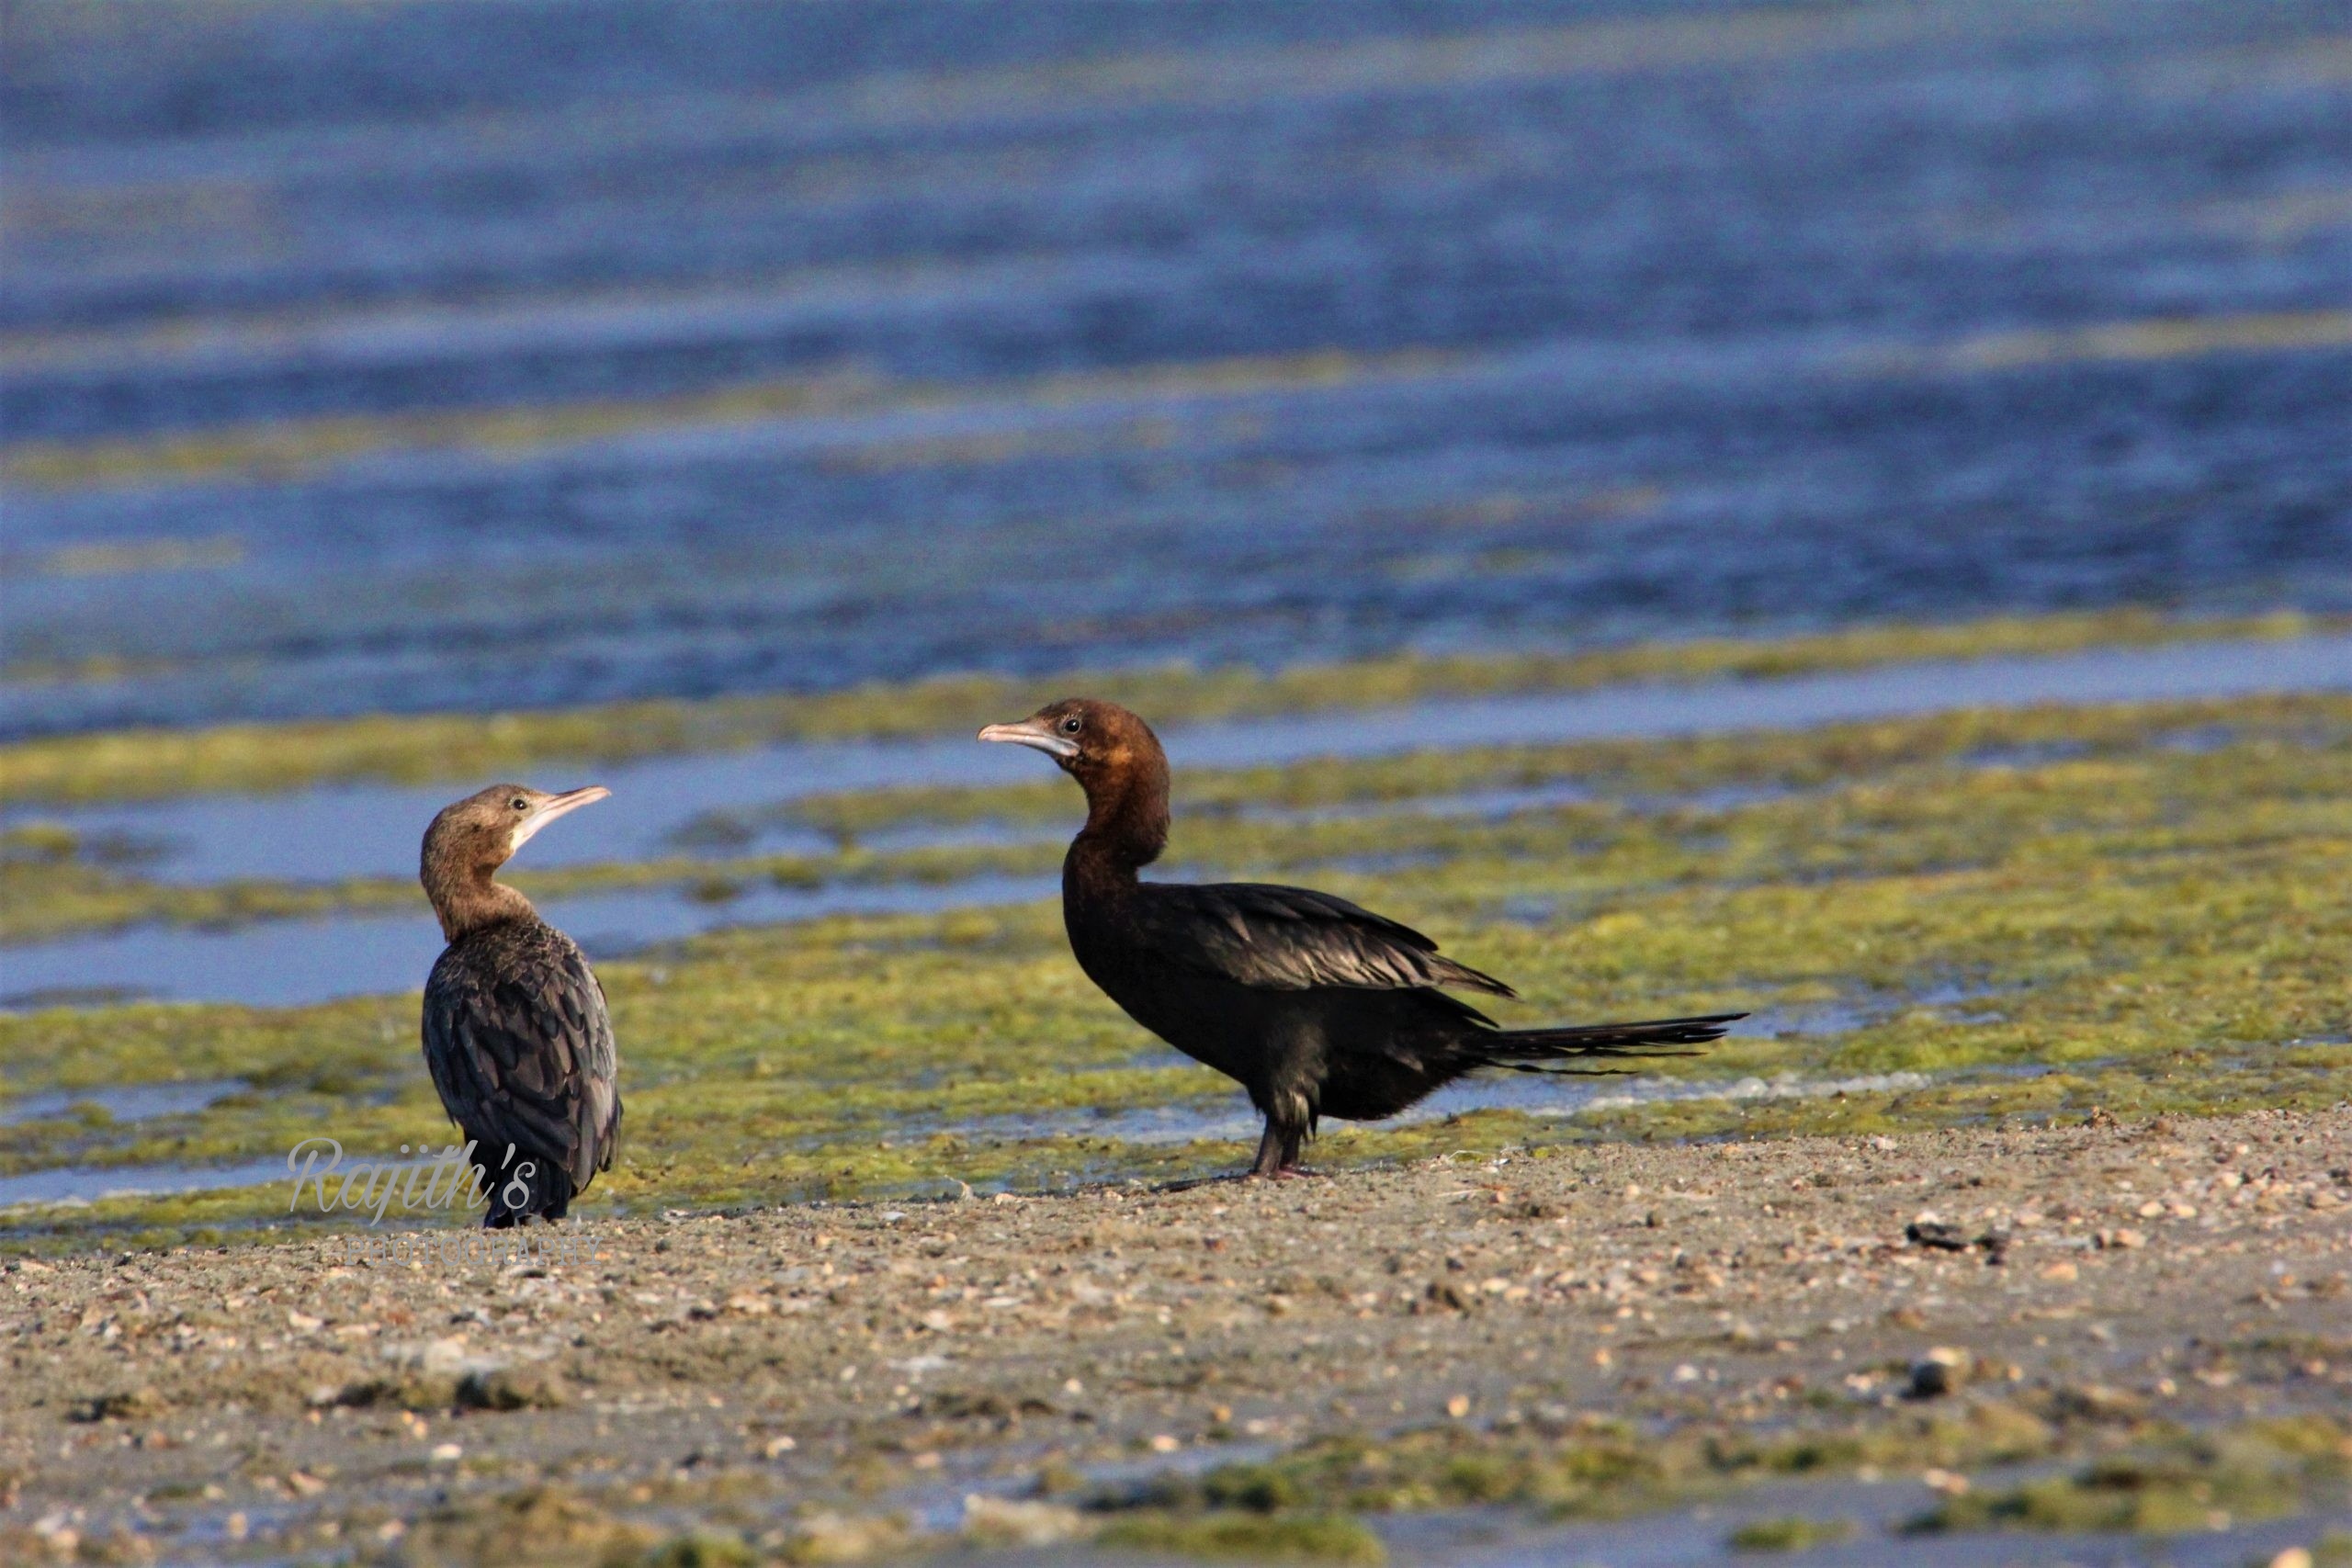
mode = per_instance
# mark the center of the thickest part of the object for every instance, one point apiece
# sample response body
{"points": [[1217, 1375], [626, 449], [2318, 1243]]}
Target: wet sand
{"points": [[886, 1361]]}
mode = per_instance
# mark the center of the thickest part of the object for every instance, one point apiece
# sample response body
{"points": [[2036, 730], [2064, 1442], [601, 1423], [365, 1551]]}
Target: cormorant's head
{"points": [[484, 829], [1097, 742], [1117, 760], [471, 839]]}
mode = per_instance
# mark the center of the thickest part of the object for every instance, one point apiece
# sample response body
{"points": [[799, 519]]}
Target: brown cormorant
{"points": [[515, 1031], [1317, 1007]]}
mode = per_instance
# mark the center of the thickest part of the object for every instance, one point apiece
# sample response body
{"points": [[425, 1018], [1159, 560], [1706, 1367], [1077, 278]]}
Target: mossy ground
{"points": [[1247, 1538], [1790, 1533], [2153, 1479], [2028, 915], [2171, 1482], [1597, 1467]]}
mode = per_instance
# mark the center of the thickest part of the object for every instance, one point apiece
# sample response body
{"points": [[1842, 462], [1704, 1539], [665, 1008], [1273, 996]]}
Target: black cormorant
{"points": [[1316, 1005]]}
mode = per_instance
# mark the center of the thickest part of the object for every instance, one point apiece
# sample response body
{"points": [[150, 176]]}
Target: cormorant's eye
{"points": [[520, 804], [1072, 725]]}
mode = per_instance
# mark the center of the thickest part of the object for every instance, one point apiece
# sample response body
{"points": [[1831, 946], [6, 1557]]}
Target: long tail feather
{"points": [[1525, 1050]]}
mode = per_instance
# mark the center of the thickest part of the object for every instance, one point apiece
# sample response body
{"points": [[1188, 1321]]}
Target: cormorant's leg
{"points": [[1269, 1152], [1289, 1113], [1290, 1094], [499, 1216], [1278, 1152]]}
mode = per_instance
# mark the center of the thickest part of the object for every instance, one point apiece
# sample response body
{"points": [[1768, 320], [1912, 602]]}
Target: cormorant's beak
{"points": [[553, 806], [1035, 733]]}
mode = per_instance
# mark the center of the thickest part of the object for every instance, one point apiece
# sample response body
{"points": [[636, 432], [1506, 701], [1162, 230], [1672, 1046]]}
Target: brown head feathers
{"points": [[471, 839], [1117, 760]]}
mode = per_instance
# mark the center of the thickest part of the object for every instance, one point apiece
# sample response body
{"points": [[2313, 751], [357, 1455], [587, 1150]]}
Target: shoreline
{"points": [[854, 1370]]}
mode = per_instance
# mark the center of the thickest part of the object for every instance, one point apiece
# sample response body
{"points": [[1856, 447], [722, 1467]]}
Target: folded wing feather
{"points": [[1295, 938]]}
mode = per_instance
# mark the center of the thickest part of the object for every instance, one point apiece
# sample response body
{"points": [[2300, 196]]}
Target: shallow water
{"points": [[288, 963], [129, 1103], [1851, 1013], [374, 830], [360, 830], [791, 348], [86, 1185]]}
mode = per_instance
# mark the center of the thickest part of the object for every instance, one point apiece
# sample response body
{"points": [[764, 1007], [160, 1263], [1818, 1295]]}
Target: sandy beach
{"points": [[837, 1381]]}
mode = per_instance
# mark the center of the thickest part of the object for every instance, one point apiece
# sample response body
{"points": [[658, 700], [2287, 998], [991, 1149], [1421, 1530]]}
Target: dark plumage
{"points": [[516, 1031], [1316, 1005]]}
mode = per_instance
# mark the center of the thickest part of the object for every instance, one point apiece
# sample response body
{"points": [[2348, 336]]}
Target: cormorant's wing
{"points": [[1292, 938], [528, 1061]]}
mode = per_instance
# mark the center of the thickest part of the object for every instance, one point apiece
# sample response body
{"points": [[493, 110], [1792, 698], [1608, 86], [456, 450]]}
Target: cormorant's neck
{"points": [[467, 898], [1126, 824]]}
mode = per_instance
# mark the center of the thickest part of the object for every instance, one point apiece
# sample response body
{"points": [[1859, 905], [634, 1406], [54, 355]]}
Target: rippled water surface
{"points": [[639, 348]]}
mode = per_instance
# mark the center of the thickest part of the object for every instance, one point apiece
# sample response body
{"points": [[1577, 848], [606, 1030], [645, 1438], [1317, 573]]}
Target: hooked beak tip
{"points": [[1032, 735]]}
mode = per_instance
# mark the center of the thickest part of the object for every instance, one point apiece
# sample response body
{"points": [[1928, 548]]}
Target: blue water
{"points": [[865, 342]]}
